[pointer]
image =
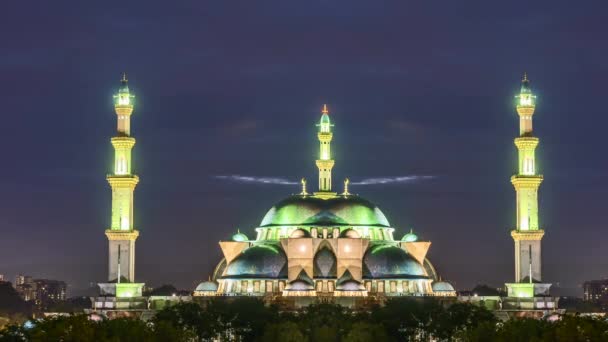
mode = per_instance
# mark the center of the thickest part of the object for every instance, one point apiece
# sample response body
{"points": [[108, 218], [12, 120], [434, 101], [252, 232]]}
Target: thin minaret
{"points": [[325, 163], [527, 233], [122, 234]]}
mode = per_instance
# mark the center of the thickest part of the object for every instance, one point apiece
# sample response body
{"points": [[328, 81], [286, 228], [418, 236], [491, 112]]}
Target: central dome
{"points": [[306, 210]]}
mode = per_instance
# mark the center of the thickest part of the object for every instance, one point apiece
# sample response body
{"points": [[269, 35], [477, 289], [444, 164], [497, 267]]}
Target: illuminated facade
{"points": [[324, 244], [527, 234], [122, 233]]}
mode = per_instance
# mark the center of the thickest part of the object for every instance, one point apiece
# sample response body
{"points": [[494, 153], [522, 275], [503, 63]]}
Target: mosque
{"points": [[325, 243]]}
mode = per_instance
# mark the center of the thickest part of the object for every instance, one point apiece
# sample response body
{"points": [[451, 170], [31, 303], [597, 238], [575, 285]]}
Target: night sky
{"points": [[415, 88]]}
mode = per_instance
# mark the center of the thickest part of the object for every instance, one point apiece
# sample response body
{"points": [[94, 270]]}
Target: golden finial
{"points": [[303, 181], [124, 77], [325, 111], [346, 181]]}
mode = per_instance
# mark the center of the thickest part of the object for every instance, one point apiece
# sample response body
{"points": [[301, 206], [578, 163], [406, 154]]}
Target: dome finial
{"points": [[325, 110], [346, 181], [525, 79], [303, 181], [124, 77]]}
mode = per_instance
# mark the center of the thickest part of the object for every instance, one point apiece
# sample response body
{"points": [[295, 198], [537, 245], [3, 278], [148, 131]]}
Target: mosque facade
{"points": [[325, 243]]}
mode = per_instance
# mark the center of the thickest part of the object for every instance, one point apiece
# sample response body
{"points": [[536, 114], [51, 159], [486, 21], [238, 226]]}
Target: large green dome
{"points": [[306, 210]]}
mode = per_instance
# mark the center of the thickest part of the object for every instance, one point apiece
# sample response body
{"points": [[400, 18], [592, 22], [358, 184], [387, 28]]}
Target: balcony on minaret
{"points": [[123, 105], [526, 103]]}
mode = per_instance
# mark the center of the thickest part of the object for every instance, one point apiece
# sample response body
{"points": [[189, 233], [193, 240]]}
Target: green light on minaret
{"points": [[122, 233], [526, 98], [124, 97], [325, 163], [527, 234]]}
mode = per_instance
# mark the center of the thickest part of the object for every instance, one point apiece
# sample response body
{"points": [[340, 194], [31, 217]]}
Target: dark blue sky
{"points": [[235, 87]]}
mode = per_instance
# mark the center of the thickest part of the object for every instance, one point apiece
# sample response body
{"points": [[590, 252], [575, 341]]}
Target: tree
{"points": [[285, 331], [68, 329], [366, 332], [405, 318], [461, 317], [324, 322], [10, 301], [190, 318], [249, 316]]}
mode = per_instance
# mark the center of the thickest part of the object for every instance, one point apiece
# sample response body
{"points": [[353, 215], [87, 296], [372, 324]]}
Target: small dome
{"points": [[299, 233], [240, 237], [350, 285], [259, 261], [207, 286], [389, 261], [442, 286], [350, 233], [325, 119], [410, 237]]}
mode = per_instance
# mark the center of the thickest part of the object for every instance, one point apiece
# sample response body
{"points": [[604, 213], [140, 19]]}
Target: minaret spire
{"points": [[527, 233], [325, 163], [122, 233]]}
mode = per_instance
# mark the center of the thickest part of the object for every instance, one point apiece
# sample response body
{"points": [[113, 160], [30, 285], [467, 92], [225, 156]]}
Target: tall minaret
{"points": [[325, 163], [122, 234], [527, 234]]}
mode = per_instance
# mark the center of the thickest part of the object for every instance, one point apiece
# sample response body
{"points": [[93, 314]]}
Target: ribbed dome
{"points": [[302, 210], [388, 261], [260, 261]]}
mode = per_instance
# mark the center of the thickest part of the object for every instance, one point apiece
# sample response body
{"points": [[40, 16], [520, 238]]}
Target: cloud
{"points": [[259, 180], [387, 180]]}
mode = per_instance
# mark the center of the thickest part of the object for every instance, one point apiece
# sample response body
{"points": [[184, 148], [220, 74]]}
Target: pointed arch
{"points": [[325, 263]]}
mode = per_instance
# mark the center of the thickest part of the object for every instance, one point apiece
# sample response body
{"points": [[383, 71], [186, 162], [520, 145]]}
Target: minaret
{"points": [[122, 233], [527, 233], [325, 163]]}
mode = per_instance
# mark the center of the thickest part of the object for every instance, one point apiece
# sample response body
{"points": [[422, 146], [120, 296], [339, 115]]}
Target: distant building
{"points": [[50, 290], [19, 280], [1, 277], [40, 291], [596, 291]]}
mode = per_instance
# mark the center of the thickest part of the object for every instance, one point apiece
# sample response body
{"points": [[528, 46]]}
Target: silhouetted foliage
{"points": [[248, 319], [10, 302]]}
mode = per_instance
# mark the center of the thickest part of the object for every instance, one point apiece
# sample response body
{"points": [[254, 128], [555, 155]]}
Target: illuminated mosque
{"points": [[325, 243]]}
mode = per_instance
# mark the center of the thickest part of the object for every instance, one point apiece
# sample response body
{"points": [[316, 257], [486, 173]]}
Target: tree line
{"points": [[249, 319]]}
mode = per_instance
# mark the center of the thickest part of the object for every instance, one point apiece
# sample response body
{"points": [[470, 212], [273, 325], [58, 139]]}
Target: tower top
{"points": [[525, 85], [325, 123], [124, 87]]}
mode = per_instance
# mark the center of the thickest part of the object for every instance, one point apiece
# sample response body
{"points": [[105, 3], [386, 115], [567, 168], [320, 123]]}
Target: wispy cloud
{"points": [[285, 181], [260, 180], [387, 180]]}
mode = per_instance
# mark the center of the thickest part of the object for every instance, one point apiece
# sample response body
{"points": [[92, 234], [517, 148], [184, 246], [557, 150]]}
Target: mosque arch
{"points": [[325, 263]]}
